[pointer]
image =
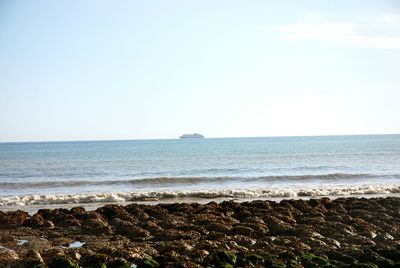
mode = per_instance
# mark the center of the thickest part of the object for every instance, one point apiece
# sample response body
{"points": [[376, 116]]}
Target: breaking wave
{"points": [[168, 181], [279, 192]]}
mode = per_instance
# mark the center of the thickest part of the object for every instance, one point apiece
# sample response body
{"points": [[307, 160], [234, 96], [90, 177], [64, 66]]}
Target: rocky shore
{"points": [[345, 232]]}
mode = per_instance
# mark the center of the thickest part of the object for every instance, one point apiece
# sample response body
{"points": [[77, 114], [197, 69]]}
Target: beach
{"points": [[343, 232]]}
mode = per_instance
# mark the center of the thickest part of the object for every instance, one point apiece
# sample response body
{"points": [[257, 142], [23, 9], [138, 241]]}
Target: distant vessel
{"points": [[192, 136]]}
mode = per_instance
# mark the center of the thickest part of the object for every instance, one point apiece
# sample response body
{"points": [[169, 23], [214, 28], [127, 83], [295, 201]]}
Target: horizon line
{"points": [[231, 137]]}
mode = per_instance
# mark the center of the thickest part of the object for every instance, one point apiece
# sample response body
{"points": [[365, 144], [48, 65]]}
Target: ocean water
{"points": [[104, 171]]}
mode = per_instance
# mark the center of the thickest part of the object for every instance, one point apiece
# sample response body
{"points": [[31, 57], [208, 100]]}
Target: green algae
{"points": [[118, 263], [63, 262], [148, 263]]}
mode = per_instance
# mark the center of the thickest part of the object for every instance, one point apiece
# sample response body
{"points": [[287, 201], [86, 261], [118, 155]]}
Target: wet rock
{"points": [[179, 246], [118, 263], [62, 262], [312, 260], [8, 256], [112, 212], [12, 219], [152, 227], [128, 229], [191, 227], [94, 260], [173, 234], [33, 258], [156, 212], [220, 256], [96, 226], [35, 221], [207, 245], [218, 227], [375, 258], [292, 233], [278, 227], [382, 237], [242, 230], [73, 255], [137, 212], [148, 263], [77, 211], [7, 238], [48, 224], [68, 222]]}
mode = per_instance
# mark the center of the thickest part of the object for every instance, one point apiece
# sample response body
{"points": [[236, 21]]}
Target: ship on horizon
{"points": [[192, 136]]}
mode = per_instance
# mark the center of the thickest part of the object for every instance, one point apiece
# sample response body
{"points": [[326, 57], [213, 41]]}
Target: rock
{"points": [[383, 238], [179, 246], [218, 227], [220, 256], [172, 234], [68, 222], [207, 245], [12, 219], [7, 238], [147, 263], [373, 257], [255, 259], [242, 230], [278, 227], [48, 224], [94, 260], [35, 221], [33, 257], [77, 211], [7, 256], [309, 259], [361, 265], [96, 226], [112, 212], [355, 232], [129, 230], [62, 262], [118, 263], [137, 212]]}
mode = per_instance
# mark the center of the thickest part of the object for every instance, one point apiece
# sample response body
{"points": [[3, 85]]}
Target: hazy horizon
{"points": [[226, 137], [99, 70]]}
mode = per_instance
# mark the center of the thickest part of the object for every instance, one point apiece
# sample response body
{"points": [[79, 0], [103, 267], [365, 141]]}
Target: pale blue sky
{"points": [[77, 70]]}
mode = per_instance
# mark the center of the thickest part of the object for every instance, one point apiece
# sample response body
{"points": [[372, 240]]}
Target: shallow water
{"points": [[123, 171]]}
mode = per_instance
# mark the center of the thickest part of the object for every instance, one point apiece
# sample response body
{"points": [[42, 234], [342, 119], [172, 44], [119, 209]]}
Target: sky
{"points": [[89, 70]]}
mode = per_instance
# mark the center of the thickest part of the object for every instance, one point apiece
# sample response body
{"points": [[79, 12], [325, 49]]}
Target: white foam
{"points": [[276, 192]]}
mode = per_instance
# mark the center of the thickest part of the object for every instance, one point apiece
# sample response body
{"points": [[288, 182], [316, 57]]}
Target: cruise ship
{"points": [[192, 136]]}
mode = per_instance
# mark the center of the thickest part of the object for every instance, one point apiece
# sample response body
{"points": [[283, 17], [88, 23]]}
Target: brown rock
{"points": [[96, 226], [129, 230], [33, 257], [48, 224], [278, 227], [218, 227], [12, 219], [35, 221], [242, 230], [7, 257]]}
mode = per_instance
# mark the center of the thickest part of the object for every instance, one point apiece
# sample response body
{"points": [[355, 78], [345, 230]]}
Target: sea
{"points": [[173, 170]]}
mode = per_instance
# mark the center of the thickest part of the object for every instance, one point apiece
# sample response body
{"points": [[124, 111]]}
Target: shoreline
{"points": [[92, 200], [91, 206], [340, 232]]}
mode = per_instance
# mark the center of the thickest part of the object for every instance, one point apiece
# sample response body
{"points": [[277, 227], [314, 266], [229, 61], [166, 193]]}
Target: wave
{"points": [[168, 181], [279, 192]]}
